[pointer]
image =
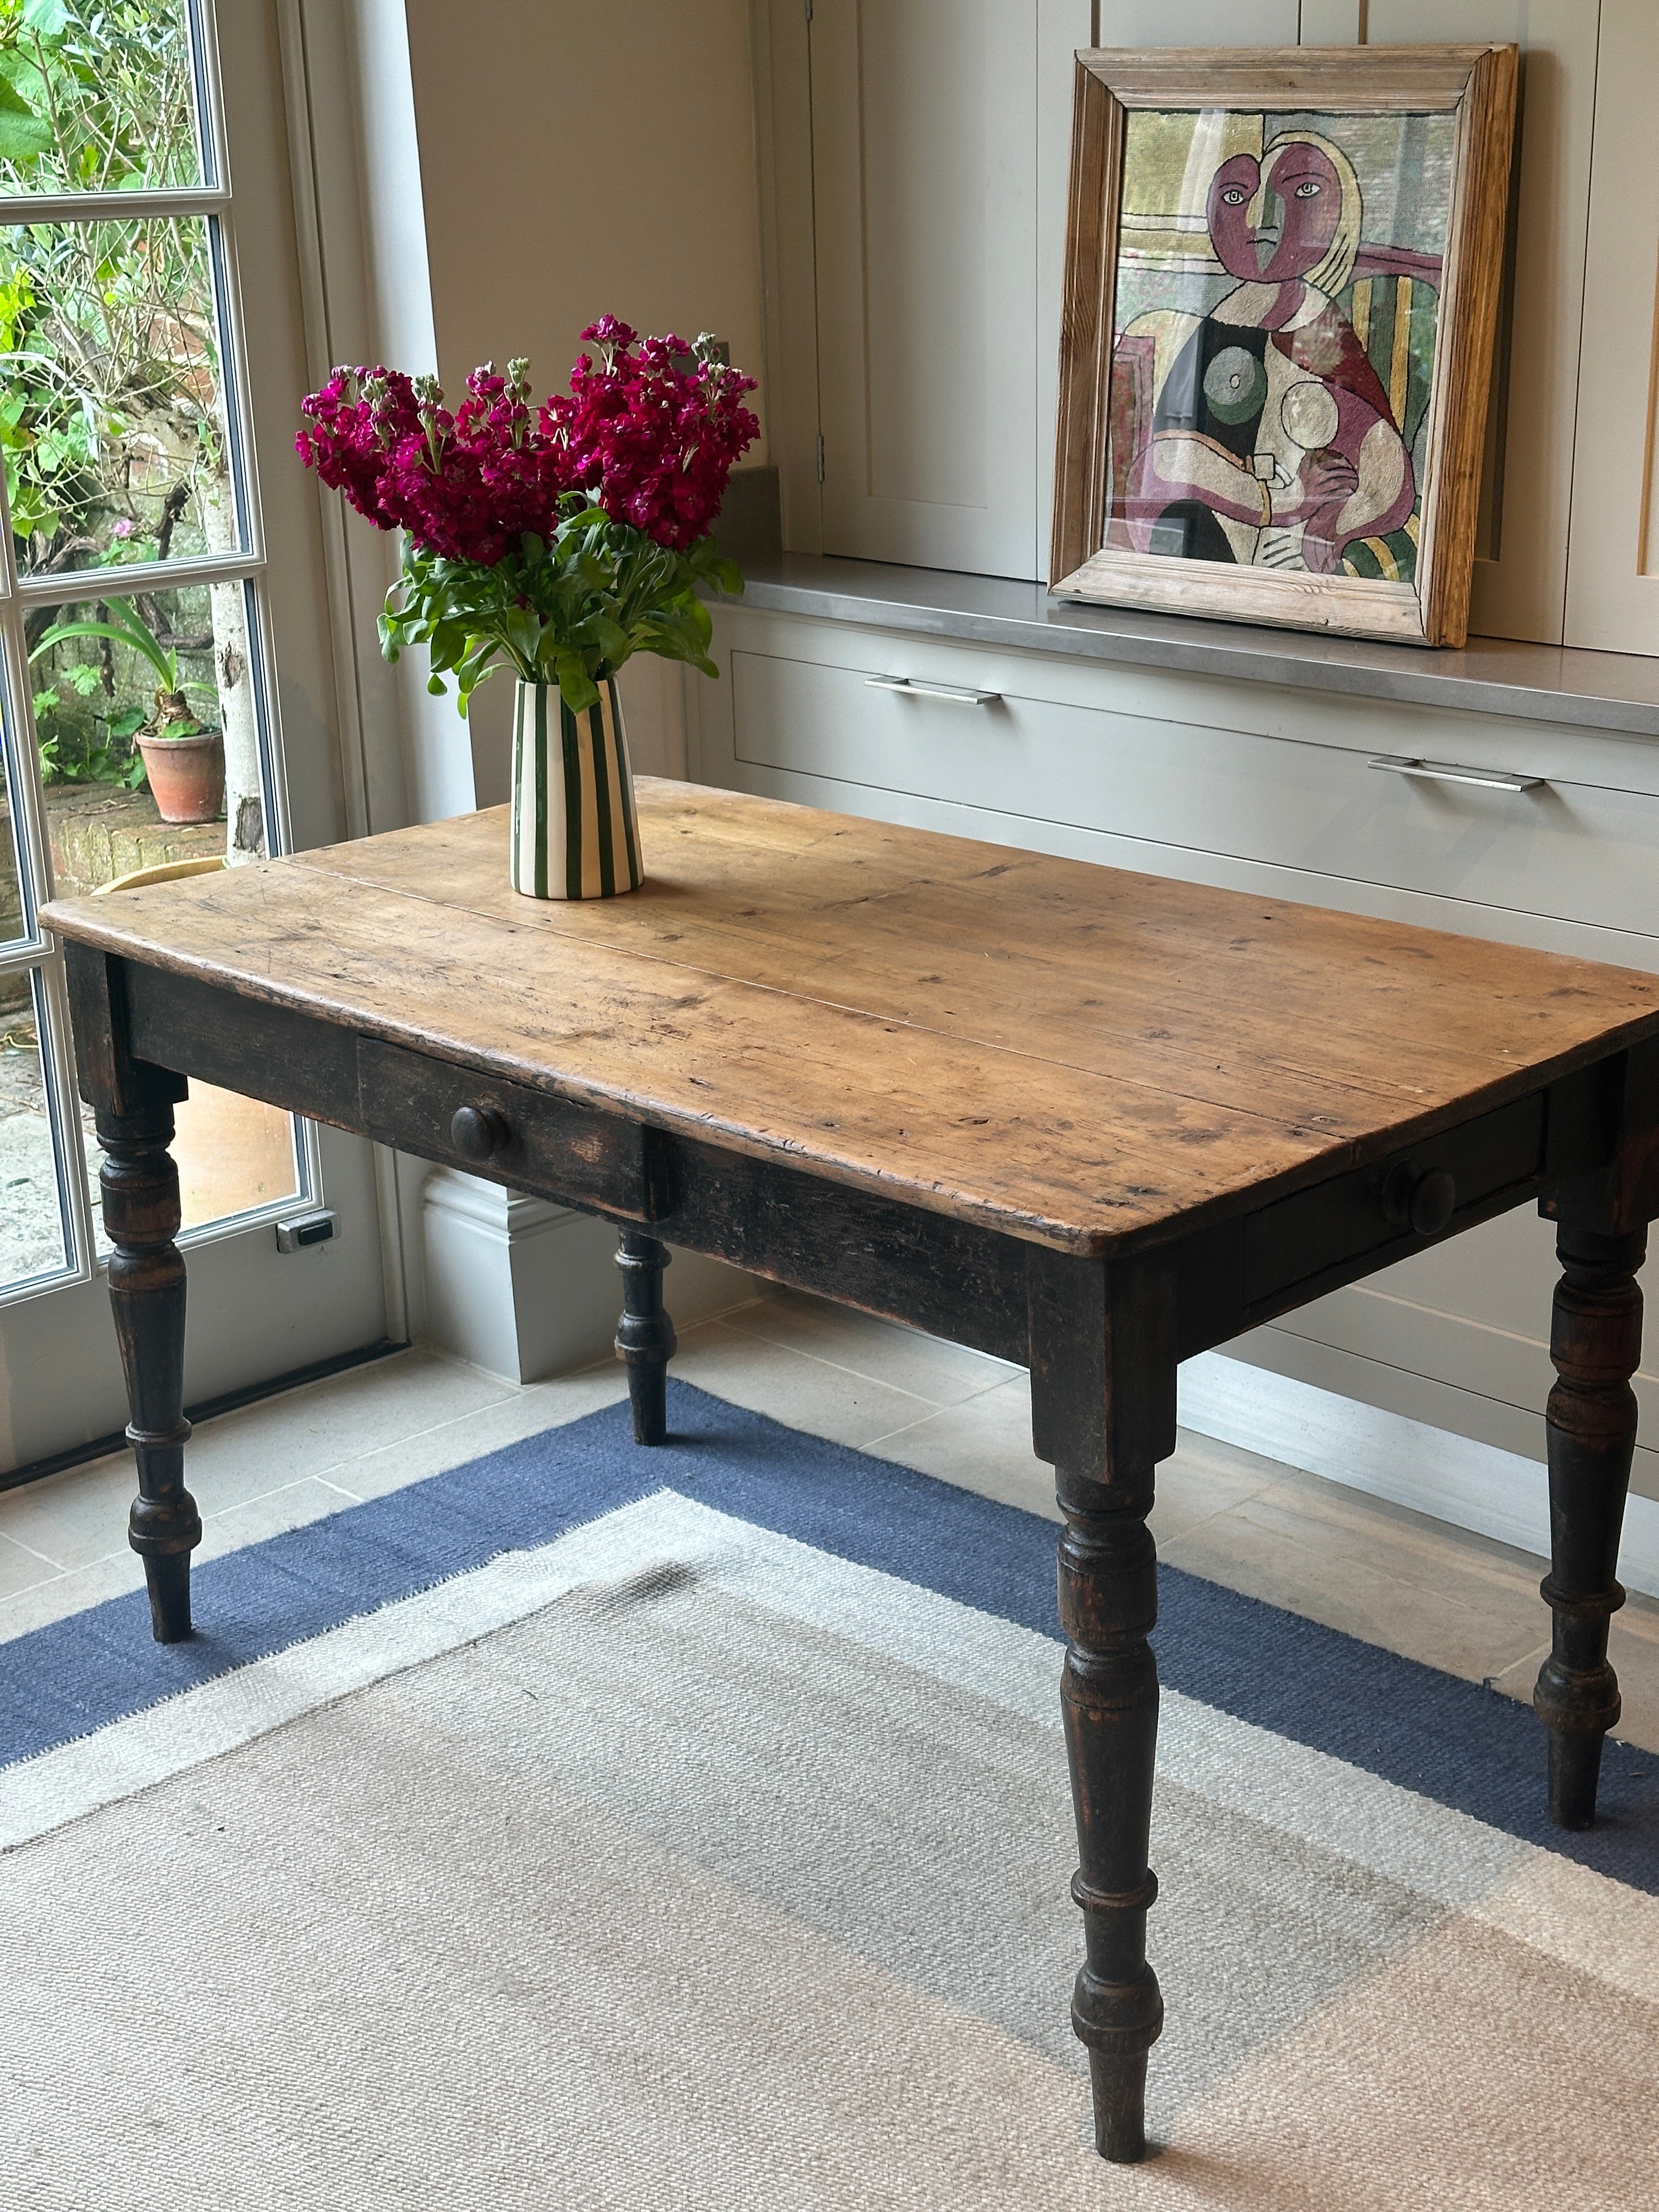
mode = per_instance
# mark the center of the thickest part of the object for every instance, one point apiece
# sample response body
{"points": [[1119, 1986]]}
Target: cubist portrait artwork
{"points": [[1278, 285]]}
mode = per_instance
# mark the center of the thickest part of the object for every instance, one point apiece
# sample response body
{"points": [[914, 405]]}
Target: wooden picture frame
{"points": [[1191, 298]]}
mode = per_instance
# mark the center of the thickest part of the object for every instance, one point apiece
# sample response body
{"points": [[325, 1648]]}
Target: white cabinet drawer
{"points": [[1578, 851]]}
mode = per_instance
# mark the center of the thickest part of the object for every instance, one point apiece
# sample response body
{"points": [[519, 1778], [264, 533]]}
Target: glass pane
{"points": [[96, 95], [233, 1154], [13, 922], [143, 706], [113, 417], [32, 1235], [137, 701]]}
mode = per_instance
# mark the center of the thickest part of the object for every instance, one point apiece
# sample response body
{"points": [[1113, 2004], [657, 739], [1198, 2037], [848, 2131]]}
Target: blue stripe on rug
{"points": [[1456, 1742]]}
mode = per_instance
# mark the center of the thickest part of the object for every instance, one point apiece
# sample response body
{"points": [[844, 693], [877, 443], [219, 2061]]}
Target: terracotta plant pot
{"points": [[186, 775]]}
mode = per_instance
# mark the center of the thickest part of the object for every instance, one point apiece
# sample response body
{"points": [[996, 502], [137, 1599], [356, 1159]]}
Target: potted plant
{"points": [[184, 758], [559, 545]]}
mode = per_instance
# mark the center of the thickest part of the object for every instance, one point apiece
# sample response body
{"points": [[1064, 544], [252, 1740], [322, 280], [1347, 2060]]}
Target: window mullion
{"points": [[21, 209], [121, 582]]}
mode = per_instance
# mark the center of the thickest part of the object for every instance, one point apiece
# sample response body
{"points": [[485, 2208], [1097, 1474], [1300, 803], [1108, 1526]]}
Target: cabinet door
{"points": [[1613, 589], [924, 152]]}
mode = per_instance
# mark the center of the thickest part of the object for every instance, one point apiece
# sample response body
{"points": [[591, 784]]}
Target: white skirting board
{"points": [[1473, 1486], [527, 1289]]}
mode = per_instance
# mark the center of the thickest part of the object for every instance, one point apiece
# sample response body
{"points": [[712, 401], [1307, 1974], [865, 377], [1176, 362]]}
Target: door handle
{"points": [[1448, 772], [960, 695]]}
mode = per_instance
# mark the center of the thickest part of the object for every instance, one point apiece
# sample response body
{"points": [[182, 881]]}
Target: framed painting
{"points": [[1282, 277]]}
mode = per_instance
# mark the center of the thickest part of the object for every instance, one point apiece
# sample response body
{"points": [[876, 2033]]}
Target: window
{"points": [[132, 621]]}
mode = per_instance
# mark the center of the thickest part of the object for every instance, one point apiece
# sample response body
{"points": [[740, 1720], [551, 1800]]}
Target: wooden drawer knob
{"points": [[1425, 1203], [478, 1132], [1433, 1197]]}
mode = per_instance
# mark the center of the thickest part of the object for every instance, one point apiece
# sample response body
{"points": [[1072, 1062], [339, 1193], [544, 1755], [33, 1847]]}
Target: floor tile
{"points": [[75, 1516], [801, 1392], [325, 1425], [1205, 1478], [81, 1515], [289, 1507], [60, 1595], [880, 1351], [20, 1569], [1373, 1572], [1633, 1647], [451, 1443], [984, 1445]]}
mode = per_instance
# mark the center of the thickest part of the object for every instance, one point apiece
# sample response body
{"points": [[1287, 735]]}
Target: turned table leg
{"points": [[1103, 1350], [140, 1186], [645, 1334], [1108, 1690], [1596, 1342]]}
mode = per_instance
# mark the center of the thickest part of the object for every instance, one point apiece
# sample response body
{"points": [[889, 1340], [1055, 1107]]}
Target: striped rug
{"points": [[592, 1827]]}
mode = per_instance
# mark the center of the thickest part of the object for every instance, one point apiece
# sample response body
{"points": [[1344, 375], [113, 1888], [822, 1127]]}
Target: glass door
{"points": [[166, 678]]}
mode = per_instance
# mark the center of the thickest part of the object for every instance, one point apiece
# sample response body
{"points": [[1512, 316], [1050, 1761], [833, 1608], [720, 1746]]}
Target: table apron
{"points": [[888, 1256]]}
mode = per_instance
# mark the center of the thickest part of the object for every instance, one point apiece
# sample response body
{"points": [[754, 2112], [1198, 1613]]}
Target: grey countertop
{"points": [[1614, 691]]}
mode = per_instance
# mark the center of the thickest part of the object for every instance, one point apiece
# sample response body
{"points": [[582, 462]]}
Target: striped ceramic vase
{"points": [[574, 832]]}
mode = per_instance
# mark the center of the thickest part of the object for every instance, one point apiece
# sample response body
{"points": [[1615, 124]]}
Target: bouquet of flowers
{"points": [[559, 541]]}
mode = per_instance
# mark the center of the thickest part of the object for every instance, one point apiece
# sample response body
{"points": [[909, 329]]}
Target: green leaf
{"points": [[24, 136], [611, 637], [49, 17], [523, 632], [577, 687], [125, 626]]}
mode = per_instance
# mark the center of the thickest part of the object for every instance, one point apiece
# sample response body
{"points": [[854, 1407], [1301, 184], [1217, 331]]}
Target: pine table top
{"points": [[1078, 1055]]}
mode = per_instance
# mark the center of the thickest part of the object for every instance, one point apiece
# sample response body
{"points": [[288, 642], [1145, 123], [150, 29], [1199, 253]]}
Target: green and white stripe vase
{"points": [[576, 834]]}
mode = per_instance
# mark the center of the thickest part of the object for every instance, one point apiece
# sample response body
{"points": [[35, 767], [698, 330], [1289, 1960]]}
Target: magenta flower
{"points": [[559, 541], [652, 442]]}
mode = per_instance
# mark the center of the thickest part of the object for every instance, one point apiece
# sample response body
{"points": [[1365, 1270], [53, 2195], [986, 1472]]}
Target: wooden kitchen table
{"points": [[1090, 1121]]}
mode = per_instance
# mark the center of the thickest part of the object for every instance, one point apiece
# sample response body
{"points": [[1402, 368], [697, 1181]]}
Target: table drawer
{"points": [[1577, 851], [1334, 1225], [508, 1132]]}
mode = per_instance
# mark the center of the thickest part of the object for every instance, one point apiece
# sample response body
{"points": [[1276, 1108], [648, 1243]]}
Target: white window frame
{"points": [[212, 202]]}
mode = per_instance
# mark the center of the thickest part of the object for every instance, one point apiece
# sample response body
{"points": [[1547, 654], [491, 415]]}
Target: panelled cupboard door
{"points": [[925, 169], [1613, 579], [1201, 23]]}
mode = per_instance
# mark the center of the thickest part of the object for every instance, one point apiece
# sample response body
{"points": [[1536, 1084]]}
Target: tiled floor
{"points": [[1391, 1577]]}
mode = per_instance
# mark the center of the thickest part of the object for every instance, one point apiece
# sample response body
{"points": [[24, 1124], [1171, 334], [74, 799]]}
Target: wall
{"points": [[484, 183], [574, 160]]}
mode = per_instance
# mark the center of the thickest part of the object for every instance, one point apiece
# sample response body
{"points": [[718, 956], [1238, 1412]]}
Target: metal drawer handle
{"points": [[962, 697], [478, 1132], [1448, 772]]}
